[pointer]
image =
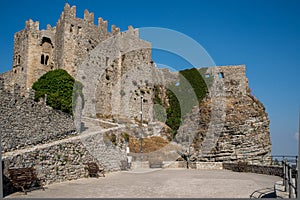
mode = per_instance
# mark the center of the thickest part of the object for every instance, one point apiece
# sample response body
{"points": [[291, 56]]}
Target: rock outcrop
{"points": [[228, 125]]}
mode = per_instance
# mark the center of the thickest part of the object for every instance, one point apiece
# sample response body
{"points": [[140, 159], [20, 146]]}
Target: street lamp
{"points": [[189, 153], [141, 130]]}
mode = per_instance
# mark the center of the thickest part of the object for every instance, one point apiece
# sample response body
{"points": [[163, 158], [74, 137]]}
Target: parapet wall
{"points": [[258, 169]]}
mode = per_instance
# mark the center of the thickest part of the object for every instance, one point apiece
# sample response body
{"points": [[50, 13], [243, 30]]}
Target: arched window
{"points": [[46, 61], [71, 28], [18, 59], [42, 59]]}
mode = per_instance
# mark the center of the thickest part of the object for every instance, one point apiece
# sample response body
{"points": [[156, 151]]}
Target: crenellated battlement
{"points": [[88, 17], [102, 25], [69, 11], [115, 30], [31, 25], [64, 46]]}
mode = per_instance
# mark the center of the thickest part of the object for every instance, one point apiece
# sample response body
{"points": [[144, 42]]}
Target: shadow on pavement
{"points": [[263, 193]]}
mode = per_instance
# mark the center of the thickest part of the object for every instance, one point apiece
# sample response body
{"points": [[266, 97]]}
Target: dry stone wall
{"points": [[55, 163], [64, 159], [25, 123]]}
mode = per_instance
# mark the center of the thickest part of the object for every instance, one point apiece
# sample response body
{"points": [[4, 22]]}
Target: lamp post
{"points": [[189, 153], [141, 130]]}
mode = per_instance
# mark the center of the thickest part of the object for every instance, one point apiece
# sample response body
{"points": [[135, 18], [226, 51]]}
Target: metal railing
{"points": [[290, 177], [277, 159]]}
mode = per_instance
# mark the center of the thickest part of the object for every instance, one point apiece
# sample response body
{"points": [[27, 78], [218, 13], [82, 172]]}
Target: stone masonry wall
{"points": [[259, 169], [25, 123], [228, 80], [63, 160], [34, 135], [66, 159], [63, 46], [77, 37]]}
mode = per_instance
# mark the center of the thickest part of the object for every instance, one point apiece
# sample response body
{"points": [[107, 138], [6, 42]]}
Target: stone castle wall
{"points": [[228, 80], [76, 37], [114, 75], [72, 42], [64, 46]]}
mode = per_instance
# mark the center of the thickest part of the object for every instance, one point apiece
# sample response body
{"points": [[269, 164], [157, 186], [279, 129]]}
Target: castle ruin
{"points": [[117, 72]]}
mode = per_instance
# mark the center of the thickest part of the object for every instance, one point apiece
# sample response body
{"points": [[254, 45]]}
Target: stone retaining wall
{"points": [[54, 163], [138, 164], [259, 169], [65, 159], [174, 164], [209, 165], [25, 123]]}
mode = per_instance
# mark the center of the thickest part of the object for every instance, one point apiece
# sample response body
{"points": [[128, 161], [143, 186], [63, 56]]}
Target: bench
{"points": [[155, 164], [94, 170], [22, 177], [124, 165]]}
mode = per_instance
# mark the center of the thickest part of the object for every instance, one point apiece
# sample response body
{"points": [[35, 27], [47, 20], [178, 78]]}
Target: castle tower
{"points": [[33, 54], [76, 37], [68, 44], [64, 46]]}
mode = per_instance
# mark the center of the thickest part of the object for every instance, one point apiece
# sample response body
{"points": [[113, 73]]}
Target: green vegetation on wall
{"points": [[173, 113], [57, 87], [196, 81], [182, 96], [158, 107]]}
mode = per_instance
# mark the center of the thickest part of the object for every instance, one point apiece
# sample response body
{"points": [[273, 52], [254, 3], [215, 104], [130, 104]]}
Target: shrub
{"points": [[58, 85]]}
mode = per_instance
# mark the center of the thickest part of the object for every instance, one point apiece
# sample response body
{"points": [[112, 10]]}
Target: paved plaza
{"points": [[161, 183]]}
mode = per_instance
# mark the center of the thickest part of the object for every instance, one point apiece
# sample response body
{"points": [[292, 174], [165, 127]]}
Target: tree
{"points": [[58, 85], [173, 113], [183, 96]]}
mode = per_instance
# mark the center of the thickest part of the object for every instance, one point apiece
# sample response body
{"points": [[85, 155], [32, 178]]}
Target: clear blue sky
{"points": [[264, 35]]}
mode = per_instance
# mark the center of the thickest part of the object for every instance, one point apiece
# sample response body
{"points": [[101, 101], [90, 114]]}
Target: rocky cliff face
{"points": [[244, 134], [228, 125]]}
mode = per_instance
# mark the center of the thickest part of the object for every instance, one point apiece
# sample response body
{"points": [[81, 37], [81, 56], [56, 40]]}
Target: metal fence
{"points": [[290, 178]]}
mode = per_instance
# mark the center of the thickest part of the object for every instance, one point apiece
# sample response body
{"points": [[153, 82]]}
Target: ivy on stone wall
{"points": [[196, 81], [182, 96]]}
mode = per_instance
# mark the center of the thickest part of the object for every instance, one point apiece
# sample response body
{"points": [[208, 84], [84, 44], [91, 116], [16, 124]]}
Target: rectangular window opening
{"points": [[221, 75]]}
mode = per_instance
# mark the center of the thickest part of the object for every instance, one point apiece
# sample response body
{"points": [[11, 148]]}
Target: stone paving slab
{"points": [[156, 183], [280, 191]]}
